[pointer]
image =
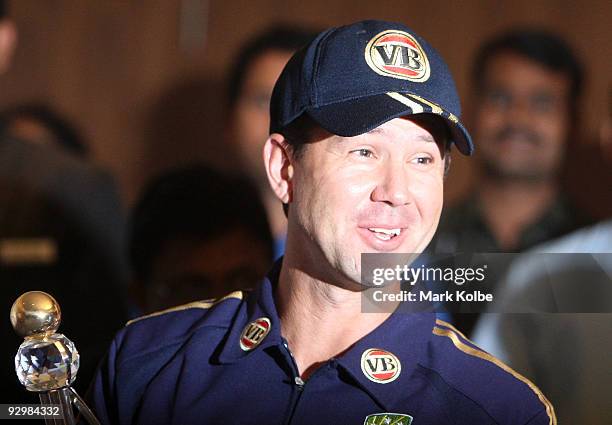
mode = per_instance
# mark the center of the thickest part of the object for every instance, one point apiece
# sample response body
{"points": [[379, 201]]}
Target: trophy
{"points": [[47, 362]]}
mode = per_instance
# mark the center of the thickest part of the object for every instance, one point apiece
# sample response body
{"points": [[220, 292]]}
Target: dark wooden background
{"points": [[144, 80]]}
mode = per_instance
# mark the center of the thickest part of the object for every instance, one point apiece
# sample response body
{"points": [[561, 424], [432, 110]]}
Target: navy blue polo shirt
{"points": [[196, 364]]}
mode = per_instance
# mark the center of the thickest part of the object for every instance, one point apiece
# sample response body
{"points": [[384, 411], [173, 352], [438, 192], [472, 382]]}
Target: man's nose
{"points": [[520, 112], [393, 187]]}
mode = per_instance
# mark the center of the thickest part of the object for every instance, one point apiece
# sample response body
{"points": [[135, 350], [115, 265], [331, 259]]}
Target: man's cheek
{"points": [[428, 187], [429, 202]]}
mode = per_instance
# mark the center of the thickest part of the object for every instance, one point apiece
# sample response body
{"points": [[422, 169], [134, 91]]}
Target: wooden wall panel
{"points": [[145, 103]]}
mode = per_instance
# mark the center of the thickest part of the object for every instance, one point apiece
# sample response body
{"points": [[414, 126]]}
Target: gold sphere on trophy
{"points": [[35, 312]]}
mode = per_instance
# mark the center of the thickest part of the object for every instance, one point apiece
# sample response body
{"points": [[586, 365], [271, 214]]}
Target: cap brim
{"points": [[357, 116]]}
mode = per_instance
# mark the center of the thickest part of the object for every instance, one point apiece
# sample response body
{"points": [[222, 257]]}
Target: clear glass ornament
{"points": [[48, 363]]}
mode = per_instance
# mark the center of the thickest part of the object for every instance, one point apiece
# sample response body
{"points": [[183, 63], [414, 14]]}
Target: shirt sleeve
{"points": [[543, 418], [103, 395]]}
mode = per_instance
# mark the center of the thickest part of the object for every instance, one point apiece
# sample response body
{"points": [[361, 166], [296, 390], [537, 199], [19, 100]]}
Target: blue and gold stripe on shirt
{"points": [[205, 304], [463, 344]]}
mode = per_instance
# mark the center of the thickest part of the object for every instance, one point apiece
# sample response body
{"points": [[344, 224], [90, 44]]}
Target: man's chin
{"points": [[350, 279]]}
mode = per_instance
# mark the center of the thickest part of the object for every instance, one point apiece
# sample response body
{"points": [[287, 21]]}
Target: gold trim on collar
{"points": [[448, 325], [450, 333], [195, 304]]}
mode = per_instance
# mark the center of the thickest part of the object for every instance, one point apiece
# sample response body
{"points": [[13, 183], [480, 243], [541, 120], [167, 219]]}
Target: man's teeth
{"points": [[385, 234]]}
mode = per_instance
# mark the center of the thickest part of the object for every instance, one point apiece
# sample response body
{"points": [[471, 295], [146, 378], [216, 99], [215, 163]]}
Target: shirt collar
{"points": [[259, 303], [404, 334]]}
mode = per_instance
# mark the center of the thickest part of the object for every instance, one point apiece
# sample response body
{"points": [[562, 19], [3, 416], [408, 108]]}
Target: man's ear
{"points": [[279, 167]]}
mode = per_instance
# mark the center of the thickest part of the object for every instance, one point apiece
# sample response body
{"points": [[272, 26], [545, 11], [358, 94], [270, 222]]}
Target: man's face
{"points": [[522, 120], [251, 115], [188, 269], [377, 192]]}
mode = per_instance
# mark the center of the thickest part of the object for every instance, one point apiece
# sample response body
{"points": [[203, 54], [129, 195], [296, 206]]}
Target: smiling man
{"points": [[362, 120]]}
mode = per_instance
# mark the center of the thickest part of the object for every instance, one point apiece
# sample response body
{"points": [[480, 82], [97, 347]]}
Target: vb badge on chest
{"points": [[254, 333], [380, 366]]}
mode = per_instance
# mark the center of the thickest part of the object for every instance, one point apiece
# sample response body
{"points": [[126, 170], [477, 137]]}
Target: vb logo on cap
{"points": [[397, 54]]}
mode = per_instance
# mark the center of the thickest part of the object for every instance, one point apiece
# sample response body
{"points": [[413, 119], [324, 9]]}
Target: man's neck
{"points": [[276, 217], [509, 207], [319, 320]]}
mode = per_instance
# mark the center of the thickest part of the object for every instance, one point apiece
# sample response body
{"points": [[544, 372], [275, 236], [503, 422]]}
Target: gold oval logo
{"points": [[254, 333], [397, 54], [380, 366]]}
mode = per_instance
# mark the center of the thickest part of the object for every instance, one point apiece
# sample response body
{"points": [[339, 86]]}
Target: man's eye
{"points": [[423, 160], [499, 98], [366, 153], [543, 103]]}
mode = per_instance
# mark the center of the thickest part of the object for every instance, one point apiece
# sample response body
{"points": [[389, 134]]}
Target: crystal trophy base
{"points": [[46, 364]]}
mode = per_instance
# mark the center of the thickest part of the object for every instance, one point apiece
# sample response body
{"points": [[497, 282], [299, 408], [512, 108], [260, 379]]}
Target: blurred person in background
{"points": [[527, 85], [568, 354], [61, 231], [197, 234], [251, 79], [8, 38], [38, 122]]}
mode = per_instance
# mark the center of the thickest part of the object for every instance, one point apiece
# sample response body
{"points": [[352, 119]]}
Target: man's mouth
{"points": [[386, 237], [385, 234], [518, 136]]}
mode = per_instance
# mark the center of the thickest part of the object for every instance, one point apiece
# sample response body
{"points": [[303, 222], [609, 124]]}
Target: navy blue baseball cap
{"points": [[354, 78]]}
